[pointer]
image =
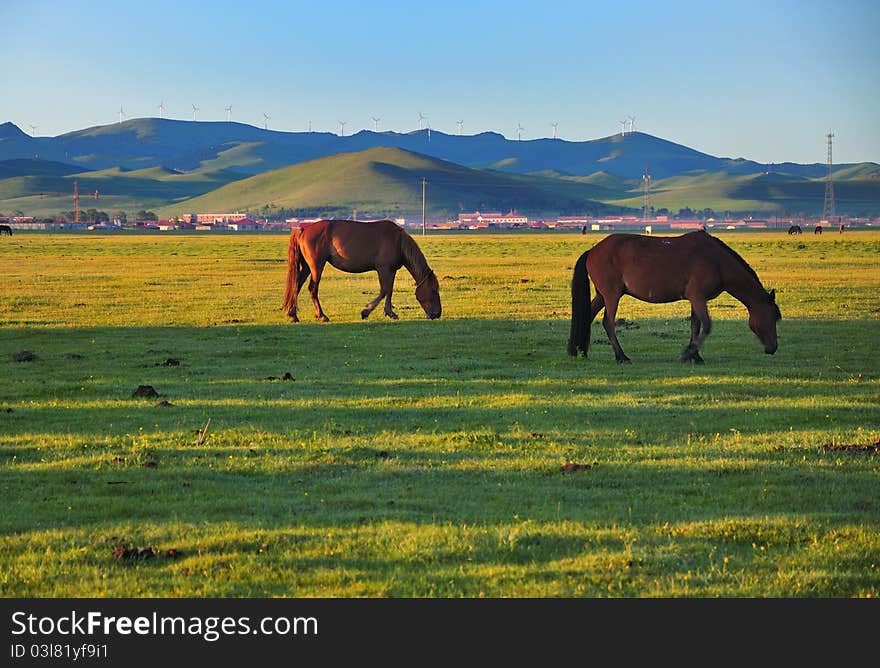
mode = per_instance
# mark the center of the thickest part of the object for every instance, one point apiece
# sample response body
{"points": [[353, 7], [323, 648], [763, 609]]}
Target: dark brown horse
{"points": [[795, 229], [356, 247], [5, 229], [695, 266], [818, 229]]}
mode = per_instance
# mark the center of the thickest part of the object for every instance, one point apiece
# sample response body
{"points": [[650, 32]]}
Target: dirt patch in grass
{"points": [[24, 356], [867, 448], [122, 553], [571, 467], [287, 376], [145, 391]]}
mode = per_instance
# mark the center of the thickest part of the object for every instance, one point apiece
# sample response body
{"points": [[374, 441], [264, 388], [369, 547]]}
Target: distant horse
{"points": [[695, 266], [795, 229], [356, 247], [818, 229], [5, 229]]}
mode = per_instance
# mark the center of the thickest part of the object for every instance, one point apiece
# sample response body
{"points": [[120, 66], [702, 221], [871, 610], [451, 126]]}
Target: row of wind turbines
{"points": [[423, 124], [632, 125]]}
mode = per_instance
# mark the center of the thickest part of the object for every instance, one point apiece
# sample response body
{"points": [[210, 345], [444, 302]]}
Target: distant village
{"points": [[245, 222]]}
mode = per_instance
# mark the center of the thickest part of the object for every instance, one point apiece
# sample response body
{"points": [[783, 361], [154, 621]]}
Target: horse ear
{"points": [[772, 294]]}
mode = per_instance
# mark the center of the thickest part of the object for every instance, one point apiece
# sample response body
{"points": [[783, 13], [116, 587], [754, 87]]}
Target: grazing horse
{"points": [[5, 229], [795, 229], [818, 229], [694, 266], [356, 247]]}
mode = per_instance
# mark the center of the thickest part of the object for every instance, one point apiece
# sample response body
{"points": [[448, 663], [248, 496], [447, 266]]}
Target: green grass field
{"points": [[424, 458]]}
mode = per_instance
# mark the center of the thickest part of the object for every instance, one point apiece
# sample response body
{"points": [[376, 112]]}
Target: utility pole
{"points": [[424, 186], [646, 189]]}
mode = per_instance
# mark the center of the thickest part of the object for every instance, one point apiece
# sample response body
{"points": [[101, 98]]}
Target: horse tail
{"points": [[293, 262], [579, 339]]}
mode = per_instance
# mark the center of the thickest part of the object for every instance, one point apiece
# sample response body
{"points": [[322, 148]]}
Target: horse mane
{"points": [[413, 257], [745, 265]]}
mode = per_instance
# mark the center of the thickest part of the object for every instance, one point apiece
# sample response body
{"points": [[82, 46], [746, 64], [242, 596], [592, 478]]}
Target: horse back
{"points": [[354, 245], [655, 269]]}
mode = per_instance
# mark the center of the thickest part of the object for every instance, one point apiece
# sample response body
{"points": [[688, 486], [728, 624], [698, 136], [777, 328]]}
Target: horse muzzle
{"points": [[771, 348], [434, 315]]}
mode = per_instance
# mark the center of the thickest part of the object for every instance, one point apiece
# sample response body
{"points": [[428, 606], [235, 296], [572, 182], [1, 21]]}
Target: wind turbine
{"points": [[121, 114], [266, 118], [429, 132], [632, 123], [460, 124], [555, 125], [161, 109], [33, 130], [342, 128], [421, 118], [375, 123], [229, 113], [519, 129], [195, 109], [622, 128], [310, 126]]}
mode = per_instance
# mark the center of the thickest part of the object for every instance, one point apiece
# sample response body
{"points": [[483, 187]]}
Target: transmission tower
{"points": [[828, 209], [646, 190]]}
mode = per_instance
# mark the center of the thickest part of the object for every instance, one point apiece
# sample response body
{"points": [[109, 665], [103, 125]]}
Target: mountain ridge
{"points": [[186, 145]]}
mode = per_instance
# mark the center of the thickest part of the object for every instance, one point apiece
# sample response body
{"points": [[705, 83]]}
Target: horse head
{"points": [[762, 321], [428, 294]]}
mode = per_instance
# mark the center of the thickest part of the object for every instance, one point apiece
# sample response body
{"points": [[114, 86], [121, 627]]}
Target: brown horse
{"points": [[5, 229], [795, 229], [356, 247], [695, 266]]}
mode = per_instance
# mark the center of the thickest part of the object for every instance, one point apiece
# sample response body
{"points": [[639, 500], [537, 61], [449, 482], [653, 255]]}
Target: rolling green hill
{"points": [[387, 182], [50, 190], [165, 164], [759, 193], [34, 167], [193, 145]]}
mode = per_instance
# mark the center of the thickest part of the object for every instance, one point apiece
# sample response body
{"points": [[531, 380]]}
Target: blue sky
{"points": [[763, 80]]}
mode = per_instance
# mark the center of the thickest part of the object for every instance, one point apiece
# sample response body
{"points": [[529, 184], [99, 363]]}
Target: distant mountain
{"points": [[387, 181], [150, 162], [248, 150]]}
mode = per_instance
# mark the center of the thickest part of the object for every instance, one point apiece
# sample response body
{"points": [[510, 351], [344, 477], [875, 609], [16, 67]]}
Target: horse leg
{"points": [[701, 325], [386, 284], [303, 277], [389, 309], [596, 305], [608, 323], [692, 353], [315, 280]]}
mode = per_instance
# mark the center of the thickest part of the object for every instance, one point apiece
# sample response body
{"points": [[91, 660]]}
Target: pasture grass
{"points": [[424, 458]]}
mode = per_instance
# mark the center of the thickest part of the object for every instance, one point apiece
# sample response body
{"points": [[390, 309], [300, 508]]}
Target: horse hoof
{"points": [[323, 318], [392, 315], [624, 360], [365, 313]]}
